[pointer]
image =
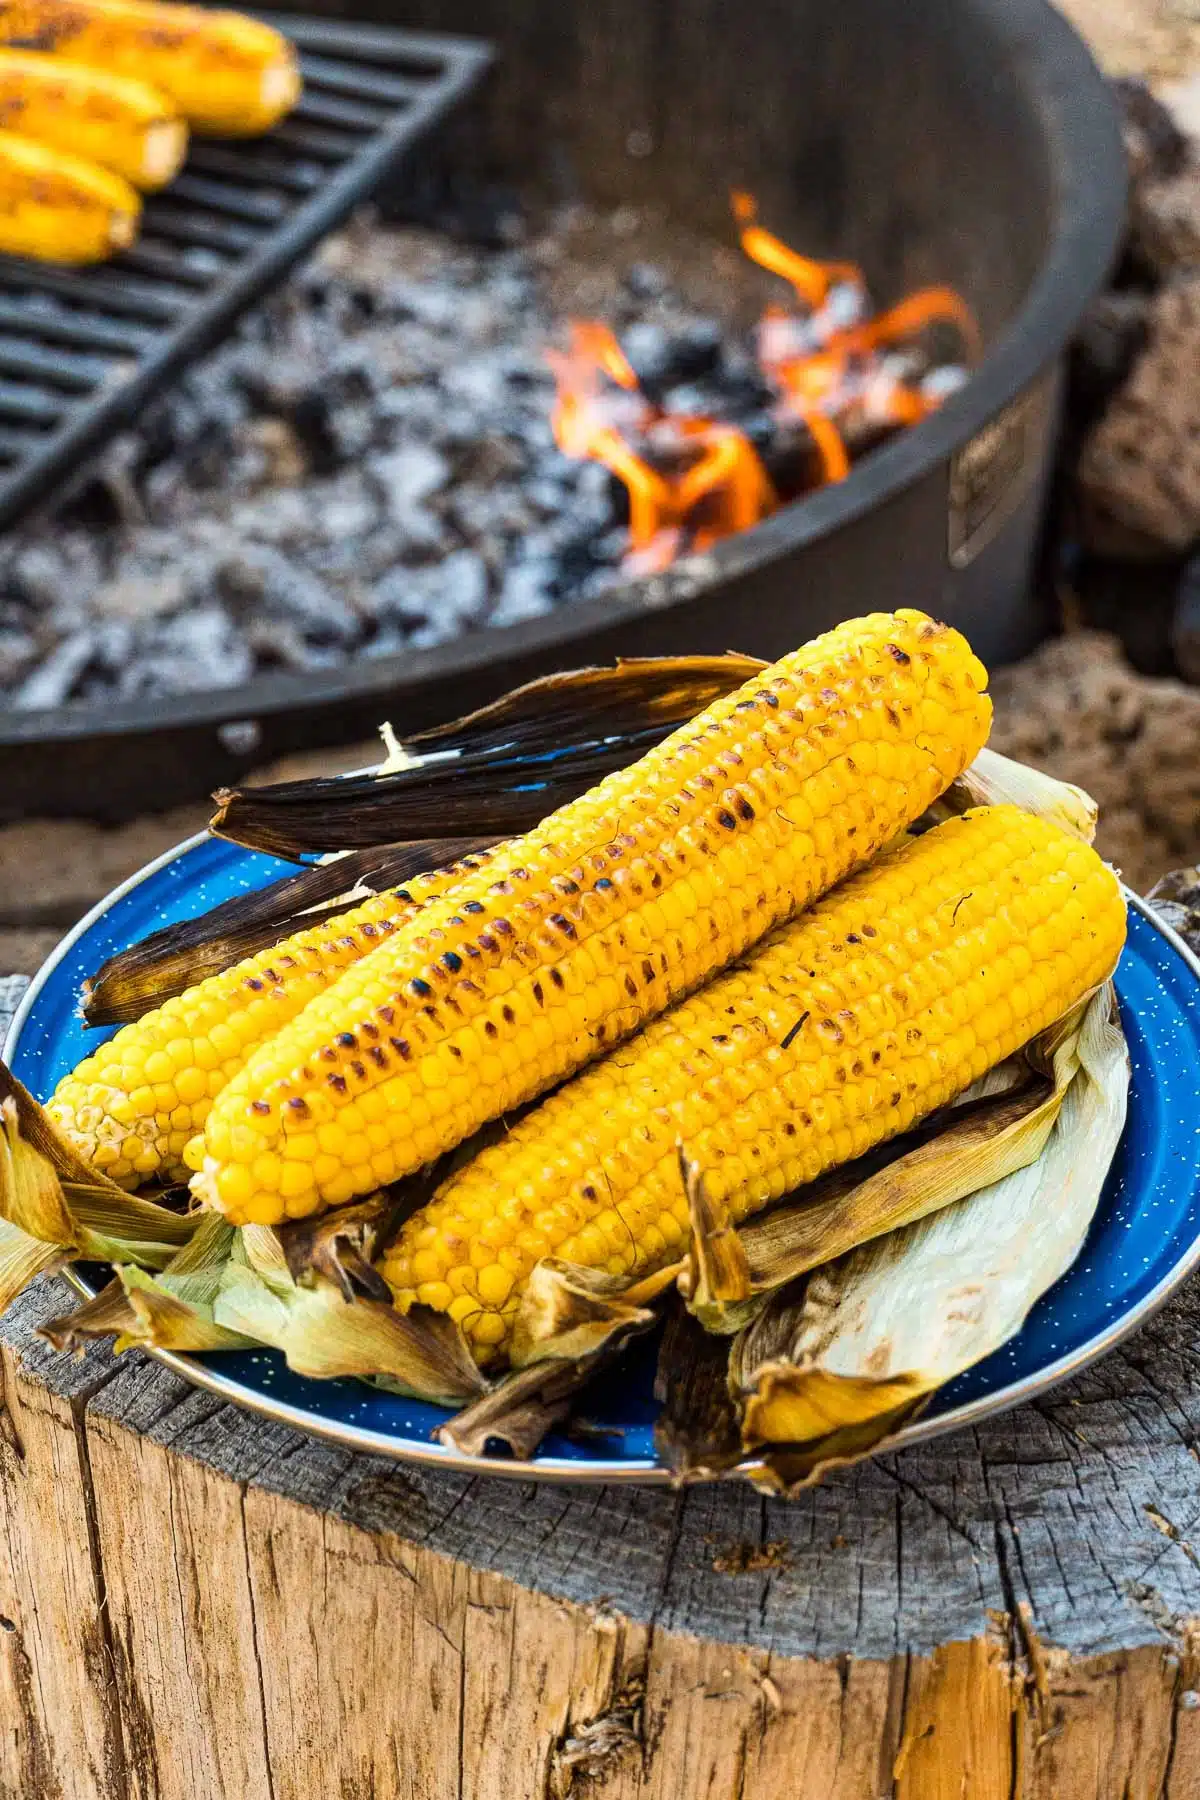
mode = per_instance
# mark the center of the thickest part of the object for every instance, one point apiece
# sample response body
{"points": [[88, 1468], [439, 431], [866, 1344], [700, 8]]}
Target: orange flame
{"points": [[826, 363]]}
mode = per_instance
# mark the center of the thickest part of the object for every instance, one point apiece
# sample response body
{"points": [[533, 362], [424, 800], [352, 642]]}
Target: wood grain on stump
{"points": [[199, 1605]]}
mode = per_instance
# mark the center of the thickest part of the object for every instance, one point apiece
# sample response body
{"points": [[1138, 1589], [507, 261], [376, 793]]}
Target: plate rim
{"points": [[558, 1469]]}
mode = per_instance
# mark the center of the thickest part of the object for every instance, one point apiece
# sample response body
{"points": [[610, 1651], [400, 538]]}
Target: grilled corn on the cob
{"points": [[132, 1107], [59, 208], [842, 1029], [123, 125], [226, 73], [614, 907]]}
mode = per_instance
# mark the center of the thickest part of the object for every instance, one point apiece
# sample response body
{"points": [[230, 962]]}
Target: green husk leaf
{"points": [[52, 1195], [495, 772], [174, 959], [169, 1311], [321, 1334], [833, 1366], [568, 1312], [995, 780]]}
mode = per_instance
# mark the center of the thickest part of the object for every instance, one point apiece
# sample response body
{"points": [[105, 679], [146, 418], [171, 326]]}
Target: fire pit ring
{"points": [[988, 141]]}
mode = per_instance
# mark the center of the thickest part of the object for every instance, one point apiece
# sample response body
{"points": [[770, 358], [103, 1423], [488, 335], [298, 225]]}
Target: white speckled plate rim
{"points": [[551, 1468]]}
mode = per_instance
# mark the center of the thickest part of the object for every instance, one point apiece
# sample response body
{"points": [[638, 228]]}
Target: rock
{"points": [[1185, 627], [1076, 709], [1111, 333], [1139, 471], [1165, 223], [1154, 143], [17, 651]]}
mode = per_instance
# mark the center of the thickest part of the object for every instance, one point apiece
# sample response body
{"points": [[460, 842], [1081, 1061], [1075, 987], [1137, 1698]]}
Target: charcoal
{"points": [[1154, 144], [1111, 334], [528, 593], [134, 597], [258, 580], [645, 282]]}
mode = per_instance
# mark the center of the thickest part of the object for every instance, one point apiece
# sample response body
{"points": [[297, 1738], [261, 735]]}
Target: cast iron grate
{"points": [[81, 351]]}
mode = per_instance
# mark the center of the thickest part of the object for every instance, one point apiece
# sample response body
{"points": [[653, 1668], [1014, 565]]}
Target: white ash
{"points": [[366, 467]]}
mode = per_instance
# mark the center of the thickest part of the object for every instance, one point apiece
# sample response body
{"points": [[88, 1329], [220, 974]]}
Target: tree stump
{"points": [[198, 1605]]}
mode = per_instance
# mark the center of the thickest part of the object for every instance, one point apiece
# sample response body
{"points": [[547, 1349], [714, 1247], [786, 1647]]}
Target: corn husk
{"points": [[697, 1433], [995, 780], [572, 1322], [568, 1312], [829, 1371], [170, 961], [53, 1197], [323, 1335], [169, 1311], [497, 771]]}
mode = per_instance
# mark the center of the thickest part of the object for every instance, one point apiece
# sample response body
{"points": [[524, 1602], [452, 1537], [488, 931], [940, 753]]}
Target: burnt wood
{"points": [[199, 1605]]}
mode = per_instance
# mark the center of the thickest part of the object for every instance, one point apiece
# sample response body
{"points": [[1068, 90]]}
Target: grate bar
{"points": [[273, 171], [87, 330], [183, 225], [77, 374], [353, 115], [339, 78], [325, 146], [29, 403], [83, 350], [259, 205]]}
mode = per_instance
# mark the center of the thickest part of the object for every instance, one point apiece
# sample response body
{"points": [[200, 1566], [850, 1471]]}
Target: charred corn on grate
{"points": [[225, 73], [121, 124], [59, 208], [842, 1029], [133, 1106], [614, 907]]}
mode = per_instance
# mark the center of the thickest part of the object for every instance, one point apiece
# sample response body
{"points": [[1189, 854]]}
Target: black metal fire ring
{"points": [[110, 761]]}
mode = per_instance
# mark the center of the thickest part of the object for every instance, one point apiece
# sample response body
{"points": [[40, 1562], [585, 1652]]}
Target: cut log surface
{"points": [[199, 1605]]}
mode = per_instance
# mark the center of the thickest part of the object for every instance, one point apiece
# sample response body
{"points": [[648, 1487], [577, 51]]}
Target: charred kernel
{"points": [[378, 1056], [254, 984], [346, 1040], [556, 977], [452, 961], [402, 1048], [538, 994], [899, 655], [563, 924], [420, 988], [603, 883], [503, 927], [744, 808], [508, 1014], [669, 886], [491, 1028], [299, 1106], [473, 906], [261, 1107], [726, 818]]}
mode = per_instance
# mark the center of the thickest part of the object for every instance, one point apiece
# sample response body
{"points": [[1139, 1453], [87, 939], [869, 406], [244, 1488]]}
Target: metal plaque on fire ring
{"points": [[991, 473]]}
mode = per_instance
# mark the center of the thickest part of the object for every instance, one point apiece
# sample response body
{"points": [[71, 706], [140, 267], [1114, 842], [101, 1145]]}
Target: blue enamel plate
{"points": [[1144, 1240]]}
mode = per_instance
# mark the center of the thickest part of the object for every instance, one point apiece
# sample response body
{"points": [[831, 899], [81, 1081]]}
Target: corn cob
{"points": [[225, 73], [122, 125], [845, 1027], [132, 1107], [59, 208], [619, 903]]}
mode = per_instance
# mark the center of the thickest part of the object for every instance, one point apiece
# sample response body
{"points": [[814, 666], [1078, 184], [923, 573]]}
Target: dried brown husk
{"points": [[835, 1364], [572, 1323], [341, 1246], [698, 1431], [324, 1335], [51, 1195], [568, 1312], [497, 771], [169, 1311], [168, 962]]}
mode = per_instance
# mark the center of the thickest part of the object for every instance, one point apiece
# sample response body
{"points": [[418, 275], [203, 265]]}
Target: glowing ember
{"points": [[840, 379]]}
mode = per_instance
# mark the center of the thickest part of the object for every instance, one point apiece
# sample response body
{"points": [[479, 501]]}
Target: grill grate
{"points": [[81, 351]]}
